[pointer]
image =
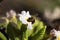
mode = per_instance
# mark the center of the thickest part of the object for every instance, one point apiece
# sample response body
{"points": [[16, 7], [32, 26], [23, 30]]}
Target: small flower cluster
{"points": [[22, 26], [22, 17], [56, 34]]}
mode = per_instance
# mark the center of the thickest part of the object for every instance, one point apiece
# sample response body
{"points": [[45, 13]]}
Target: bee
{"points": [[31, 19]]}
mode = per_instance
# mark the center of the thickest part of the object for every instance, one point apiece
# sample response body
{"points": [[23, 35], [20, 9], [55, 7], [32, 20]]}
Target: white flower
{"points": [[25, 14], [23, 17], [56, 33], [11, 13]]}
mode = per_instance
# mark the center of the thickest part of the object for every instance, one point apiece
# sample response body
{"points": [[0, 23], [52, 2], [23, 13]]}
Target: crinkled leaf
{"points": [[38, 27], [12, 32], [40, 34]]}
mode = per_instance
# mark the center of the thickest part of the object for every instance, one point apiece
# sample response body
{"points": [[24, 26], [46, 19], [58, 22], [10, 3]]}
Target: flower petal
{"points": [[23, 20], [7, 14], [29, 26], [13, 13], [25, 14], [28, 15]]}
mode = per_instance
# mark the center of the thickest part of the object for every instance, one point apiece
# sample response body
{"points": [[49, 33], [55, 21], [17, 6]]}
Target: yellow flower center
{"points": [[59, 38], [26, 18]]}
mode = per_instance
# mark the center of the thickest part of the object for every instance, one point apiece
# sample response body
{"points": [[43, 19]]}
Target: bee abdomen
{"points": [[31, 20]]}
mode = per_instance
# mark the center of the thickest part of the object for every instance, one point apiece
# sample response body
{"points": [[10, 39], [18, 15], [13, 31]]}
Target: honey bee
{"points": [[31, 19]]}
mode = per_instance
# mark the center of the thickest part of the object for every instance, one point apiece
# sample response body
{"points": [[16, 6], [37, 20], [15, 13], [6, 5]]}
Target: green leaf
{"points": [[13, 32], [32, 32], [36, 22], [40, 34], [16, 38], [19, 24], [4, 21], [38, 27], [2, 37], [24, 32]]}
